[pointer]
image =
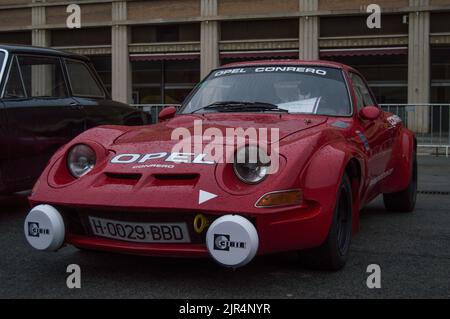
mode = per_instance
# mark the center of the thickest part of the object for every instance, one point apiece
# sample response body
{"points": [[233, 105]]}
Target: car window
{"points": [[14, 86], [82, 81], [359, 97], [363, 96], [42, 76], [2, 60], [293, 88]]}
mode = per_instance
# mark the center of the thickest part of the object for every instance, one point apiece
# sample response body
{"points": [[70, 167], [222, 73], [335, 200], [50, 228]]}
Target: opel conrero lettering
{"points": [[309, 149]]}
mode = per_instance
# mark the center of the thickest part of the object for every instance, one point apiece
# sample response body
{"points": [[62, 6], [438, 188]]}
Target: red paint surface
{"points": [[315, 153]]}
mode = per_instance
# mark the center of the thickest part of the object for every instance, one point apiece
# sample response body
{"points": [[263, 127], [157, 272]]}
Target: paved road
{"points": [[413, 251]]}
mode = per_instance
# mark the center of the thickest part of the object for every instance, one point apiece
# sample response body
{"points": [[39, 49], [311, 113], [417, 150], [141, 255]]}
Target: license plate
{"points": [[140, 232]]}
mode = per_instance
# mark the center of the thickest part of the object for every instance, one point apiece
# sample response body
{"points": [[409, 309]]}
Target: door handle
{"points": [[75, 106]]}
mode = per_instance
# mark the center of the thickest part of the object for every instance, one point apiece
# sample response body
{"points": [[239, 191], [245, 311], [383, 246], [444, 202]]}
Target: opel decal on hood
{"points": [[168, 157]]}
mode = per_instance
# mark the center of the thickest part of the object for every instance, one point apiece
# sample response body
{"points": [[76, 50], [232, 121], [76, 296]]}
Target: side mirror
{"points": [[167, 113], [370, 113]]}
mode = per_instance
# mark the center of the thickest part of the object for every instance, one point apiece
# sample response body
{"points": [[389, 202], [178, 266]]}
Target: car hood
{"points": [[142, 161], [212, 124]]}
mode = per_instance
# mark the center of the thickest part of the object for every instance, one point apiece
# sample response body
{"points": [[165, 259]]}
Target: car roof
{"points": [[27, 49], [322, 63]]}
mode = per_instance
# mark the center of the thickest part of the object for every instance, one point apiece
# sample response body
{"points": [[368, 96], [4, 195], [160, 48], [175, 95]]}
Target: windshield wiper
{"points": [[231, 106]]}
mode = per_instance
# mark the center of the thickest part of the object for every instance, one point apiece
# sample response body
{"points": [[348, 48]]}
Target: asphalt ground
{"points": [[412, 250]]}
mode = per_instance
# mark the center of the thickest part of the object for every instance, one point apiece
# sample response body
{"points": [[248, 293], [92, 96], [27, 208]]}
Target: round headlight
{"points": [[81, 160], [251, 164]]}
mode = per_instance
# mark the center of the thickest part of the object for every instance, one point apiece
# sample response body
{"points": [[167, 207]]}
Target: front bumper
{"points": [[287, 229], [117, 246]]}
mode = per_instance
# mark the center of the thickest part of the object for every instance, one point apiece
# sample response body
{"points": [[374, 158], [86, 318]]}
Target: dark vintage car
{"points": [[47, 98]]}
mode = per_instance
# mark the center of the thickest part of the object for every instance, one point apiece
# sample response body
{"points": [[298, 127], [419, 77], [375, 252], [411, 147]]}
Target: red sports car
{"points": [[262, 157]]}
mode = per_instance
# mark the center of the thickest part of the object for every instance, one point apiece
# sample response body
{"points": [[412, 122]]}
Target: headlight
{"points": [[81, 160], [251, 164]]}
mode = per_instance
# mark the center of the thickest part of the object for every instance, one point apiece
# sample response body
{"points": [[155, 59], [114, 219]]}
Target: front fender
{"points": [[322, 176], [102, 135], [403, 149]]}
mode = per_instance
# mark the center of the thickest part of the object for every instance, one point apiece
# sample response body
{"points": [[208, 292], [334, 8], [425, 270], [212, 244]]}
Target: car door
{"points": [[3, 141], [41, 117], [373, 136], [89, 92]]}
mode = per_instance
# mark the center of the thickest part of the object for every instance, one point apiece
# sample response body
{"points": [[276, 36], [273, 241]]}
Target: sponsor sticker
{"points": [[363, 139], [272, 69], [394, 120], [232, 240], [35, 231], [224, 242]]}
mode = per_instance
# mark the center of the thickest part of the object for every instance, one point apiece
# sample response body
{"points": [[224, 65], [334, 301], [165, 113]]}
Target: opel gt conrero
{"points": [[323, 150]]}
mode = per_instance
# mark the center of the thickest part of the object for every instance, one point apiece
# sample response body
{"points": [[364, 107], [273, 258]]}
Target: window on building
{"points": [[14, 87], [440, 87], [387, 76], [19, 37], [82, 81], [180, 78], [42, 76], [147, 82], [164, 82], [81, 37], [102, 64], [187, 32], [257, 57], [344, 26], [439, 22], [440, 74], [259, 29]]}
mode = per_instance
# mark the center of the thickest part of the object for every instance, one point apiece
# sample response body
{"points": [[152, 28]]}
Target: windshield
{"points": [[293, 89]]}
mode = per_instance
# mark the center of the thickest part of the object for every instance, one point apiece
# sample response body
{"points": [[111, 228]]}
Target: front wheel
{"points": [[405, 200], [333, 253]]}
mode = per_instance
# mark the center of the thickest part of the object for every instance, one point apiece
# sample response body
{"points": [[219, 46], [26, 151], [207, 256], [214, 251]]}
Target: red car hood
{"points": [[287, 124]]}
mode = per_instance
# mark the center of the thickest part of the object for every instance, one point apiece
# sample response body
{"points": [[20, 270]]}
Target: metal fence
{"points": [[430, 122]]}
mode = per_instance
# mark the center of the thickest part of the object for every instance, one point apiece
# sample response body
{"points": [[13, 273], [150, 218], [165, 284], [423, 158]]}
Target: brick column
{"points": [[209, 46], [121, 67], [419, 67], [39, 37], [308, 31], [41, 76]]}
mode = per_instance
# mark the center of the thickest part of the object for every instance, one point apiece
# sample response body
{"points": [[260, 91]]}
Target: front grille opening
{"points": [[121, 179], [134, 177]]}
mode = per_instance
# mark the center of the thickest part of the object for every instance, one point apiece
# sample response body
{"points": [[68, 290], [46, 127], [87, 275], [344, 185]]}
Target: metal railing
{"points": [[430, 122]]}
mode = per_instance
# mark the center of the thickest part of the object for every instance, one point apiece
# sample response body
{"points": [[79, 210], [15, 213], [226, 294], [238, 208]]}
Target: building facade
{"points": [[155, 51]]}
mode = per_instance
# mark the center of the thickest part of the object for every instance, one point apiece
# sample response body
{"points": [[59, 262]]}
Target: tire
{"points": [[333, 253], [405, 200]]}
